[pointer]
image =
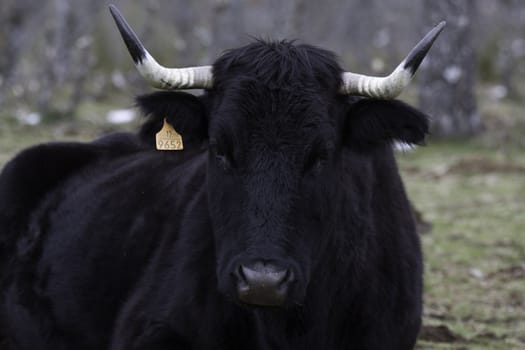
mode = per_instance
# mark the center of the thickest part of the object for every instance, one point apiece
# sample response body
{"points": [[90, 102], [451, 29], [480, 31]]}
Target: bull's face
{"points": [[270, 155], [279, 131]]}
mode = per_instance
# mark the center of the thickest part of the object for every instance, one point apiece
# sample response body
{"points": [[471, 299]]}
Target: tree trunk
{"points": [[68, 60], [512, 47], [15, 16], [448, 75]]}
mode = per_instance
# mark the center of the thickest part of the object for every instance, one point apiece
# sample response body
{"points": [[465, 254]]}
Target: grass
{"points": [[472, 192], [473, 196]]}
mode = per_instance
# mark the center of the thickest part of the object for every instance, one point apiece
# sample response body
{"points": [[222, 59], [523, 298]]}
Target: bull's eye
{"points": [[317, 156], [315, 161]]}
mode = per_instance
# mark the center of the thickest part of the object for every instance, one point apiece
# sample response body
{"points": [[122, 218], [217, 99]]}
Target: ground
{"points": [[471, 193], [475, 253]]}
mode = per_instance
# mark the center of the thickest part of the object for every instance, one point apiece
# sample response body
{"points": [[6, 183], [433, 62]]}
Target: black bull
{"points": [[283, 224]]}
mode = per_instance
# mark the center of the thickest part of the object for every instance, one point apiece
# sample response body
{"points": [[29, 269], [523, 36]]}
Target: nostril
{"points": [[239, 274], [287, 278]]}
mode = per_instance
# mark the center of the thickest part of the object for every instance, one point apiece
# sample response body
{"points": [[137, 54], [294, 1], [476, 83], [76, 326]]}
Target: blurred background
{"points": [[66, 75]]}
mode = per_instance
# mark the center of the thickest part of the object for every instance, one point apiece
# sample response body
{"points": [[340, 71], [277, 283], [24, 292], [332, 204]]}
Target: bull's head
{"points": [[288, 150]]}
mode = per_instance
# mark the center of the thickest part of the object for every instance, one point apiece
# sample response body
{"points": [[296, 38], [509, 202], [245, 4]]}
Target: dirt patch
{"points": [[509, 273], [473, 165], [480, 165], [489, 336], [439, 334]]}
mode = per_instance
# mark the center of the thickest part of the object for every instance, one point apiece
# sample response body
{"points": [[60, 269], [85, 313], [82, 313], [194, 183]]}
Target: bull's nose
{"points": [[263, 284]]}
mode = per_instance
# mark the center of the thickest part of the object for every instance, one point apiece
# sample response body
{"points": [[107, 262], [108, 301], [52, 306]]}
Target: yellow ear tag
{"points": [[168, 139]]}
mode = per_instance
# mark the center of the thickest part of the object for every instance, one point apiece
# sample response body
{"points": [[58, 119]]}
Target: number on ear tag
{"points": [[168, 139]]}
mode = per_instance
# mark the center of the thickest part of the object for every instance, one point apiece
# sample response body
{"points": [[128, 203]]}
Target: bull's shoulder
{"points": [[36, 171]]}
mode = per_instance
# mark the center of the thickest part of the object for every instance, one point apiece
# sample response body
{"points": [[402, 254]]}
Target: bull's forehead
{"points": [[261, 115], [274, 97]]}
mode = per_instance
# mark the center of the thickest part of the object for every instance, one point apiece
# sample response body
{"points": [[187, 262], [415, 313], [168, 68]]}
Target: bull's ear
{"points": [[374, 122], [185, 112]]}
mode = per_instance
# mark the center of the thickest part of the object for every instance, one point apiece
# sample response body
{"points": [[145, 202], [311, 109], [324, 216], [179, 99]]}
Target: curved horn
{"points": [[391, 86], [159, 76]]}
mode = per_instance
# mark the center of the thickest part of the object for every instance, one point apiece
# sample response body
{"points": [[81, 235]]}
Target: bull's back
{"points": [[35, 172]]}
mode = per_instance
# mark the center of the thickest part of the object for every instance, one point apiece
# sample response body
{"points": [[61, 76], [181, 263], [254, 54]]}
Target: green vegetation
{"points": [[475, 253], [471, 192]]}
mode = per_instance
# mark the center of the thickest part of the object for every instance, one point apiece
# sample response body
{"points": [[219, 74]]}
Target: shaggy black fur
{"points": [[114, 245]]}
